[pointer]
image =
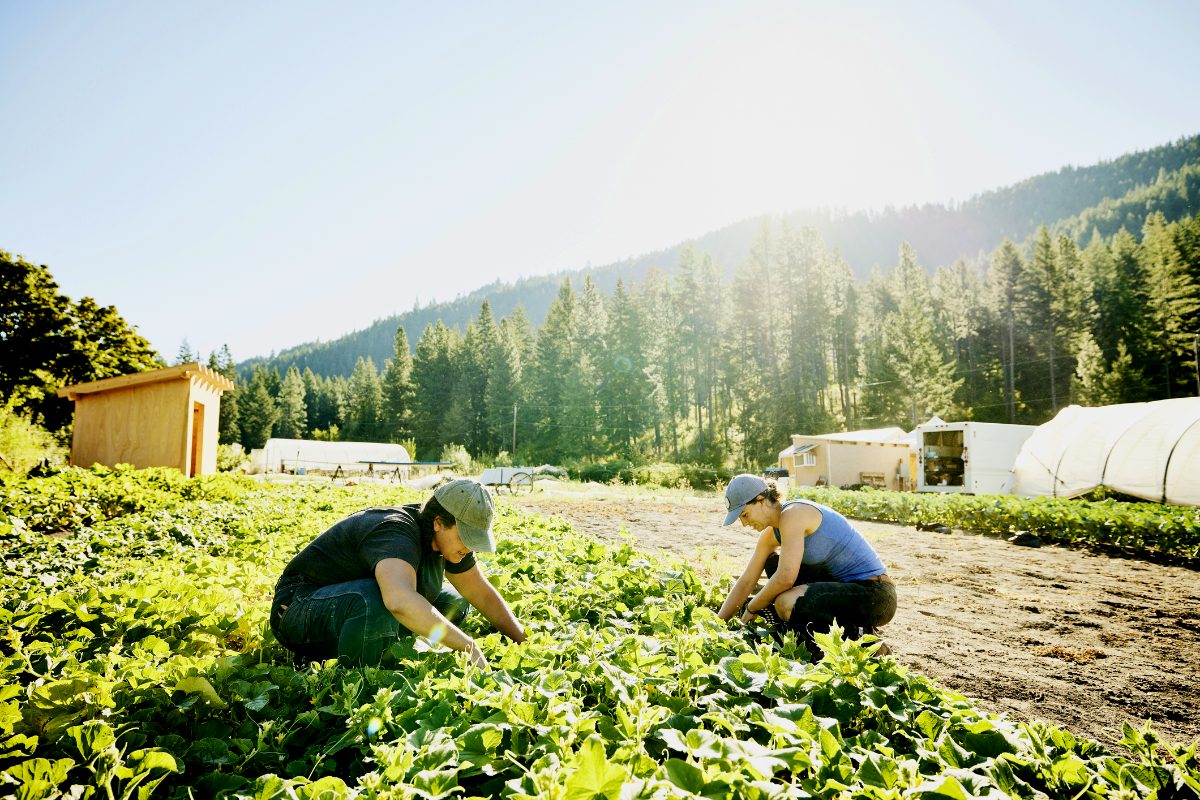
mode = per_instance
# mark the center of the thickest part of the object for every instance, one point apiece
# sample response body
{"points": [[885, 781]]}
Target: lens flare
{"points": [[374, 725], [622, 364], [438, 633]]}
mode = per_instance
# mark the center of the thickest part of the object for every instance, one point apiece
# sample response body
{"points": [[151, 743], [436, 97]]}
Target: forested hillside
{"points": [[1106, 196], [697, 367]]}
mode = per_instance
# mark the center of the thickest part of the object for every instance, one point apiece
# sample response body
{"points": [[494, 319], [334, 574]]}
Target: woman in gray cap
{"points": [[820, 569], [377, 576]]}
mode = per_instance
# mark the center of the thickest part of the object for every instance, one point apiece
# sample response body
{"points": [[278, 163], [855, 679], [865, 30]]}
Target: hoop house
{"points": [[278, 455], [1148, 450]]}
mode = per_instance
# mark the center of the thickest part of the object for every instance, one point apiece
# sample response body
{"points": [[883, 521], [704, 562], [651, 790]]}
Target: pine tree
{"points": [[228, 427], [315, 401], [1087, 387], [338, 399], [1053, 298], [925, 382], [274, 383], [365, 402], [579, 431], [398, 388], [626, 394], [185, 354], [1094, 384], [435, 373], [475, 359], [591, 322], [1005, 279], [1173, 301], [257, 412], [957, 294], [555, 355], [523, 336], [293, 413], [844, 310], [504, 385], [661, 343]]}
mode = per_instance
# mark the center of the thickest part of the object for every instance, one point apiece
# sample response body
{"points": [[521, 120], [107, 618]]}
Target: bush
{"points": [[458, 455], [24, 443], [410, 447], [231, 458]]}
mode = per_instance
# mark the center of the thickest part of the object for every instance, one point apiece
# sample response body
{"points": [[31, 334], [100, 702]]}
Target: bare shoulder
{"points": [[801, 515]]}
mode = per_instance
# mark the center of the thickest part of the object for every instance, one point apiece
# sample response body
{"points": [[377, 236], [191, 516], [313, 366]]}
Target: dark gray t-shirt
{"points": [[350, 550]]}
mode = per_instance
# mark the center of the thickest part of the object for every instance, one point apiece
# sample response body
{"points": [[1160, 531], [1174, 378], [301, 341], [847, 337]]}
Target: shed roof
{"points": [[872, 435], [193, 370]]}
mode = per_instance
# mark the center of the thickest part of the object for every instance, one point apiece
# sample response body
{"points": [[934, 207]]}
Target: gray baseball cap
{"points": [[472, 507], [741, 490]]}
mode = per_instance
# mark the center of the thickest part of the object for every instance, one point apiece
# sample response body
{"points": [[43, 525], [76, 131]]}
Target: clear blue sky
{"points": [[262, 174]]}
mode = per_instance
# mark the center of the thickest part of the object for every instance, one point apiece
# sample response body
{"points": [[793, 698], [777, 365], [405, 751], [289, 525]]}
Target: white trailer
{"points": [[967, 457]]}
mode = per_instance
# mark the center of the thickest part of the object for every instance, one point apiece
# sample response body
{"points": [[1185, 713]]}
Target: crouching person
{"points": [[377, 576]]}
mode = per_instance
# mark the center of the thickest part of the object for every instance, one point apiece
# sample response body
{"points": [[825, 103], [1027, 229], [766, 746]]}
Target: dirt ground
{"points": [[1083, 639]]}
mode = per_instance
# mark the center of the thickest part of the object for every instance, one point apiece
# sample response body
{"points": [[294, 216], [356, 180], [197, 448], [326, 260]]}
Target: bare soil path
{"points": [[1082, 639]]}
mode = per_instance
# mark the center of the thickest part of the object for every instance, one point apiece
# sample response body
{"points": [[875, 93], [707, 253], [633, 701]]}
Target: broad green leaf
{"points": [[200, 686], [327, 788], [594, 776], [686, 776]]}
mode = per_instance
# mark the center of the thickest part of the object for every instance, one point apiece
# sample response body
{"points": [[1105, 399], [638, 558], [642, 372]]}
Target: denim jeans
{"points": [[349, 621]]}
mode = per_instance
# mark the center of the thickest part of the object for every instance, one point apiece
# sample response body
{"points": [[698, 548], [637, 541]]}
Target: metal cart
{"points": [[518, 479]]}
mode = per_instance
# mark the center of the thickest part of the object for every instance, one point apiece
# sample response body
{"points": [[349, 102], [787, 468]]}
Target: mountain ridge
{"points": [[1072, 199]]}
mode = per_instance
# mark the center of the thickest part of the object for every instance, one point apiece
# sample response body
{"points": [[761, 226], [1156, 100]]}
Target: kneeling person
{"points": [[378, 575], [820, 569]]}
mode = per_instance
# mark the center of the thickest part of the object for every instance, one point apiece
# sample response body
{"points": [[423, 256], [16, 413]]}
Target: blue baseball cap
{"points": [[740, 491]]}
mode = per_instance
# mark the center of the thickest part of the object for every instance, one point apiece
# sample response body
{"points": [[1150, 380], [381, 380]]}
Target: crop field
{"points": [[136, 661]]}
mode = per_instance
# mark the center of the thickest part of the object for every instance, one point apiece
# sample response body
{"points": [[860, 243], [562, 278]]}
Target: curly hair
{"points": [[431, 510], [770, 494]]}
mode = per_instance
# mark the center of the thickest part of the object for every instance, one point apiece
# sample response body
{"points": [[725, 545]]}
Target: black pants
{"points": [[858, 607]]}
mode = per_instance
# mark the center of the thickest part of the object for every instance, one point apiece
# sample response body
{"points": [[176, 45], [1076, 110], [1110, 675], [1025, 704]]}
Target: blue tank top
{"points": [[838, 547]]}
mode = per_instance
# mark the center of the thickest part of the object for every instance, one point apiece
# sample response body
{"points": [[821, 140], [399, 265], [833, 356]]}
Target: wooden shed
{"points": [[873, 457], [162, 418]]}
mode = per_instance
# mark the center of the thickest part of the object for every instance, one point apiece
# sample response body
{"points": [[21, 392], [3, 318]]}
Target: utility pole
{"points": [[514, 450], [1196, 353]]}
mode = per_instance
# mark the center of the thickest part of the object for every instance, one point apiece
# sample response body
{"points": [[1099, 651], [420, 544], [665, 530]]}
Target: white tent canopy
{"points": [[280, 454], [1148, 450]]}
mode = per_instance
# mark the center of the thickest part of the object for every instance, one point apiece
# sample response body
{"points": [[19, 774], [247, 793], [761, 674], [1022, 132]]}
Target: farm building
{"points": [[836, 459], [161, 418], [965, 457], [1148, 450], [288, 455]]}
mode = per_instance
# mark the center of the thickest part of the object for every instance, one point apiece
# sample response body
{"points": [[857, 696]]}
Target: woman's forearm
{"points": [[737, 595], [766, 596], [420, 617]]}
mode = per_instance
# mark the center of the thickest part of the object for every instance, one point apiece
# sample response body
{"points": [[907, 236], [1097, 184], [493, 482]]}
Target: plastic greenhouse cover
{"points": [[1148, 450], [293, 453]]}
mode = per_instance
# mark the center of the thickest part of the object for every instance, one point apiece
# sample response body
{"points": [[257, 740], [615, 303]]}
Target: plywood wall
{"points": [[211, 400], [851, 459], [146, 425]]}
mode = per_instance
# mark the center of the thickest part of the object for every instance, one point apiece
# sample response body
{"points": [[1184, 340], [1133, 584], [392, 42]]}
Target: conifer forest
{"points": [[718, 366]]}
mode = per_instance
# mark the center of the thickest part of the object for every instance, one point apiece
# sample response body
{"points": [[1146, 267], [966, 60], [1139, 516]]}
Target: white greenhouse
{"points": [[288, 455], [1148, 450]]}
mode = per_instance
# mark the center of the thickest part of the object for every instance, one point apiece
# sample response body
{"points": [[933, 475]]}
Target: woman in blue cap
{"points": [[819, 568]]}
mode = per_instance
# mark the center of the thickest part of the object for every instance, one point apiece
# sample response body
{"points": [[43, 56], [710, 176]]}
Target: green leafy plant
{"points": [[137, 661]]}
